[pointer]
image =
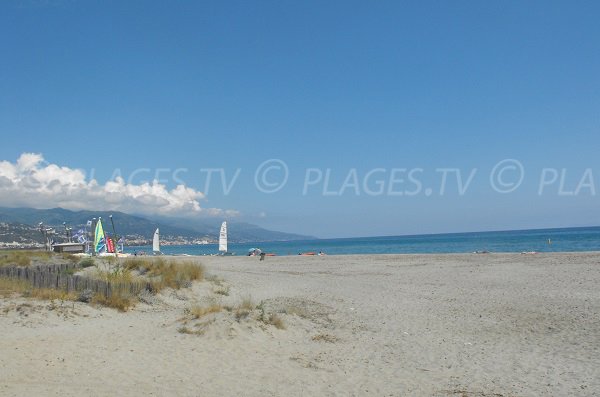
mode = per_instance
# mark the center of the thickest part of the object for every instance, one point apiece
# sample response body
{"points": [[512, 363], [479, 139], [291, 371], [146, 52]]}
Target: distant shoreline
{"points": [[538, 240], [574, 239]]}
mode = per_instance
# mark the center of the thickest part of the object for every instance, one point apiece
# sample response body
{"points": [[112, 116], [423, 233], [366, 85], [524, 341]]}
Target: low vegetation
{"points": [[184, 329], [119, 301], [68, 257], [216, 280], [218, 287], [197, 318], [10, 287], [244, 309], [51, 294], [132, 275], [127, 277], [22, 257], [296, 311], [221, 291], [86, 262], [325, 338], [163, 273], [247, 306], [118, 275], [275, 320], [270, 318], [197, 329], [197, 311], [29, 257]]}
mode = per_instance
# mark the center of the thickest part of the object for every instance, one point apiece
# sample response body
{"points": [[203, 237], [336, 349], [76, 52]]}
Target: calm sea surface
{"points": [[547, 240]]}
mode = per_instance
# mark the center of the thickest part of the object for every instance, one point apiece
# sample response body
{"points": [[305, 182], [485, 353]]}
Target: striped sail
{"points": [[99, 239]]}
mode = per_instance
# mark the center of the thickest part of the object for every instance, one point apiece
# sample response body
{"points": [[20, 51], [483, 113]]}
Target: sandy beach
{"points": [[385, 325]]}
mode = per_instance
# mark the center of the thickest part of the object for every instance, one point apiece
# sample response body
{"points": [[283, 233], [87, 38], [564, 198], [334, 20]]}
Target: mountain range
{"points": [[21, 224]]}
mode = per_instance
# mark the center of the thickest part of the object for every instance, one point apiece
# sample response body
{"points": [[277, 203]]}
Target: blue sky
{"points": [[318, 85]]}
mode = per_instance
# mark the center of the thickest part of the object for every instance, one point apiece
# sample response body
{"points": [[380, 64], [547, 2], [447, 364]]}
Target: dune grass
{"points": [[68, 257], [247, 304], [22, 257], [157, 273], [197, 311], [164, 273], [28, 257], [10, 287], [270, 318], [197, 319], [244, 309], [216, 280], [119, 301], [198, 328], [221, 291], [86, 262], [118, 275], [218, 287], [51, 294], [322, 337], [275, 320], [184, 329]]}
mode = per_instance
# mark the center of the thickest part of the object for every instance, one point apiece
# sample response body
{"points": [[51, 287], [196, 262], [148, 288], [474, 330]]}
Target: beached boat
{"points": [[223, 240], [156, 243]]}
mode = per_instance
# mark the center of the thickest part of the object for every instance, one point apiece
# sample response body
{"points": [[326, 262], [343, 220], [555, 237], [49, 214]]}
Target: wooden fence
{"points": [[59, 277]]}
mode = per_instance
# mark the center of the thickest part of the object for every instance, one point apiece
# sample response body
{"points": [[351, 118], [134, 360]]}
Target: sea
{"points": [[539, 240]]}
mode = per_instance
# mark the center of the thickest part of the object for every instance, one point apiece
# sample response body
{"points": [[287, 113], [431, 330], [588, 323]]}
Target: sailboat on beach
{"points": [[156, 243], [223, 240]]}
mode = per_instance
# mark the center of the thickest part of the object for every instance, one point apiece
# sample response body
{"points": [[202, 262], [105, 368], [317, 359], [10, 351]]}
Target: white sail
{"points": [[156, 242], [223, 238]]}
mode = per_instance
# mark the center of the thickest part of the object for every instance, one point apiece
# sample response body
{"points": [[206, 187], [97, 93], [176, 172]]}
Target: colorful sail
{"points": [[99, 239], [110, 245]]}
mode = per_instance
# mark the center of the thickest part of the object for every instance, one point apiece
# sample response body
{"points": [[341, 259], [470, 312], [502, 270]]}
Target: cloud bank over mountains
{"points": [[33, 182]]}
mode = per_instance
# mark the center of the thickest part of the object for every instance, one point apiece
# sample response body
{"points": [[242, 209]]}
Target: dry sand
{"points": [[387, 325]]}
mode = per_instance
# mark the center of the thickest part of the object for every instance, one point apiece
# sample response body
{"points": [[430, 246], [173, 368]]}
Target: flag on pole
{"points": [[99, 240], [80, 236]]}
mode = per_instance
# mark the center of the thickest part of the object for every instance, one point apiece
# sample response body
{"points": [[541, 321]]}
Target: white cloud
{"points": [[32, 182]]}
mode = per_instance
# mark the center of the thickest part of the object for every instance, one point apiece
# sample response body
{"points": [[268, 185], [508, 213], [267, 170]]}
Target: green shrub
{"points": [[86, 262]]}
